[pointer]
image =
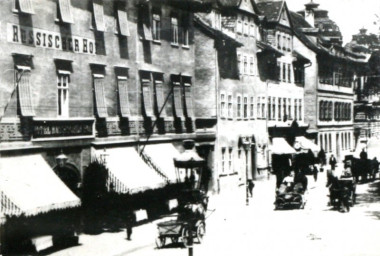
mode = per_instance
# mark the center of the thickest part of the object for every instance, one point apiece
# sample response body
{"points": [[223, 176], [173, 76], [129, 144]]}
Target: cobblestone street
{"points": [[258, 229]]}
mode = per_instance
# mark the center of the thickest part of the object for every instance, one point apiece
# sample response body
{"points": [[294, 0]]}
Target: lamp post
{"points": [[246, 144]]}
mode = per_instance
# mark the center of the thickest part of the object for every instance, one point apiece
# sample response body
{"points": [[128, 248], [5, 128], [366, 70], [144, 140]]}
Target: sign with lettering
{"points": [[62, 128], [48, 39]]}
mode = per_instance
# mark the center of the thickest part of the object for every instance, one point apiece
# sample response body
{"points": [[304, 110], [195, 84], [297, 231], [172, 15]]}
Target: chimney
{"points": [[309, 12]]}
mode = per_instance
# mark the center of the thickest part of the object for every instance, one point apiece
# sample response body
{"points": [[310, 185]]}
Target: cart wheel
{"points": [[160, 242], [201, 231], [174, 240], [185, 237]]}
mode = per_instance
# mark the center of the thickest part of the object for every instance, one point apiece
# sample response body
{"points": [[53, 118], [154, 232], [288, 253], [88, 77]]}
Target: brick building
{"points": [[100, 79]]}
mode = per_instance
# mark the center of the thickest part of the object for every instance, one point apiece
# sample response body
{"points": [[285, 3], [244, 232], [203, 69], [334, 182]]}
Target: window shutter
{"points": [[123, 22], [189, 102], [25, 96], [100, 97], [123, 96], [147, 97], [98, 15], [177, 95], [160, 98], [65, 10], [26, 6]]}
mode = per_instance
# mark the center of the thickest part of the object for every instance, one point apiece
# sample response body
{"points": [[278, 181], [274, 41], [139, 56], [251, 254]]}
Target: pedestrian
{"points": [[315, 173], [130, 221], [251, 185], [363, 155], [332, 162], [322, 157]]}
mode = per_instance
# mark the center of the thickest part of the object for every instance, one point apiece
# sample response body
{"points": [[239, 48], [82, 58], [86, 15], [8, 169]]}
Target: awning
{"points": [[25, 95], [306, 144], [29, 186], [162, 156], [128, 172], [281, 147], [189, 159], [65, 11]]}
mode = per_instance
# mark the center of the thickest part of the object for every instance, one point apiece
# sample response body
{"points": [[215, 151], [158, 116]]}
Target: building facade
{"points": [[109, 80]]}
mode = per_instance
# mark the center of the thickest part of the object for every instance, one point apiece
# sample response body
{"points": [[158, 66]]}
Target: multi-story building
{"points": [[330, 80], [99, 79], [229, 62]]}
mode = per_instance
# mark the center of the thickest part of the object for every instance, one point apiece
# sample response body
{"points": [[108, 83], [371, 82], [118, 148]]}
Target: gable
{"points": [[246, 5], [284, 18]]}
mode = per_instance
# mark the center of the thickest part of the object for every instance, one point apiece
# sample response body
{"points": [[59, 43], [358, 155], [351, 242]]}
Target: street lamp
{"points": [[246, 142], [61, 159], [103, 156]]}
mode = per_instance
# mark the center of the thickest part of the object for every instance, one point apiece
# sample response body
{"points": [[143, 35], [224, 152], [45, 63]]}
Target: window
{"points": [[263, 103], [245, 65], [63, 81], [295, 109], [285, 108], [239, 26], [330, 143], [177, 95], [245, 107], [122, 22], [252, 28], [251, 66], [185, 30], [269, 107], [289, 44], [98, 15], [156, 28], [174, 30], [246, 26], [239, 63], [290, 108], [24, 6], [144, 26], [279, 41], [223, 105], [258, 108], [279, 107], [64, 11], [283, 72], [289, 72], [186, 80], [223, 160], [284, 43], [330, 111], [24, 91], [230, 169], [230, 107], [273, 108], [147, 94], [159, 100], [300, 109], [122, 84], [239, 106], [251, 108]]}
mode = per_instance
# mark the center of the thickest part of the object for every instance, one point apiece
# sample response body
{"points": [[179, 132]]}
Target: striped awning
{"points": [[162, 155], [128, 173], [100, 97], [29, 186], [24, 93]]}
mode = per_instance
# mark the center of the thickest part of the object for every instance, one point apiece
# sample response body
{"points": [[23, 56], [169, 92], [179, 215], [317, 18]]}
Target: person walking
{"points": [[251, 185], [315, 173], [332, 162], [130, 221]]}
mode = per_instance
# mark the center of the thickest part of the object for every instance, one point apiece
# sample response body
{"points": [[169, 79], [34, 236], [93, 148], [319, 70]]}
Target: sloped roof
{"points": [[299, 21], [271, 10], [229, 3]]}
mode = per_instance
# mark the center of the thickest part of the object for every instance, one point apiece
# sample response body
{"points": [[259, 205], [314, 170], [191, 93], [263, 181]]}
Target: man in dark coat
{"points": [[130, 221], [332, 162]]}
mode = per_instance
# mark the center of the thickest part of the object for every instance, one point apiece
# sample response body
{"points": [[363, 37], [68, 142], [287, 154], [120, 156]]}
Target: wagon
{"points": [[177, 230]]}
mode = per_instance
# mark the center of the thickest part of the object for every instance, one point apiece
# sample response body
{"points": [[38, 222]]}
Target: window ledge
{"points": [[187, 47], [157, 42], [174, 45]]}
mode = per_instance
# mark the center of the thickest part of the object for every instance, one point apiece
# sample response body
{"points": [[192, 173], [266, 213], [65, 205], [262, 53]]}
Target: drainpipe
{"points": [[216, 147]]}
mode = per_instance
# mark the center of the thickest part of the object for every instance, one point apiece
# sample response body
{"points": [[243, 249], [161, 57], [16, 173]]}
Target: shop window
{"points": [[23, 6], [156, 26], [64, 13], [174, 30]]}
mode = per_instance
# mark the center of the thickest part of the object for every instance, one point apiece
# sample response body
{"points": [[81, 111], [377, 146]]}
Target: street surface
{"points": [[237, 229]]}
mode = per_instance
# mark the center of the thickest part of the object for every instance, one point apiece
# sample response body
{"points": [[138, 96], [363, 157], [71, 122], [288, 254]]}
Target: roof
{"points": [[217, 34], [299, 21], [300, 57], [271, 10], [229, 3], [267, 47]]}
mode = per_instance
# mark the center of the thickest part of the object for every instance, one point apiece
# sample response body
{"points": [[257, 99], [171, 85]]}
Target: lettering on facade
{"points": [[48, 39], [64, 128]]}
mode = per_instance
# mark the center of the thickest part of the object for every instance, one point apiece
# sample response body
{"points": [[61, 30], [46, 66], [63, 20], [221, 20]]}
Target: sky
{"points": [[350, 15]]}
